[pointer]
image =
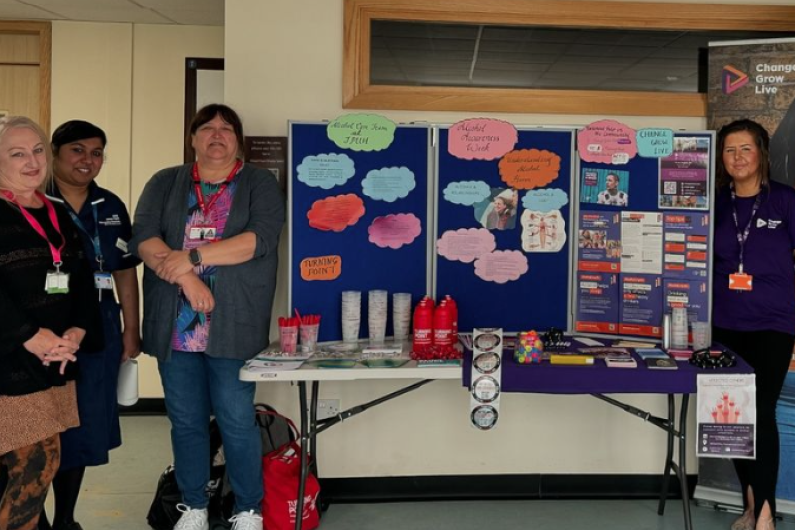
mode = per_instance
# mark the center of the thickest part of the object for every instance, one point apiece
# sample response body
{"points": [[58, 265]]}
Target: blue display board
{"points": [[363, 265], [538, 298]]}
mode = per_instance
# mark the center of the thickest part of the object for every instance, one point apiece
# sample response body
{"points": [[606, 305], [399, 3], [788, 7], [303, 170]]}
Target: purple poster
{"points": [[692, 295], [641, 305], [684, 175], [686, 245], [599, 242], [597, 302]]}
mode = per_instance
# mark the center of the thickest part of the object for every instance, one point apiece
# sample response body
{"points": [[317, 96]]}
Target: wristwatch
{"points": [[195, 257]]}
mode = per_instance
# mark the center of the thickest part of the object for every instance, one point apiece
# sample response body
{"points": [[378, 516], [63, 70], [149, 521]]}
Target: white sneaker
{"points": [[246, 521], [192, 519]]}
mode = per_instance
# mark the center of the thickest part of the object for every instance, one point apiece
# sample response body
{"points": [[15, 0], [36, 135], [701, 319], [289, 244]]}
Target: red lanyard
{"points": [[55, 251], [197, 187]]}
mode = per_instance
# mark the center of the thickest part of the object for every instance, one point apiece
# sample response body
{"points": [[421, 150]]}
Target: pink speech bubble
{"points": [[607, 142], [394, 230], [481, 139], [466, 244], [501, 266], [336, 213]]}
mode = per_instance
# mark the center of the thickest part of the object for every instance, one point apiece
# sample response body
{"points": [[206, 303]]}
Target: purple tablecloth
{"points": [[546, 378]]}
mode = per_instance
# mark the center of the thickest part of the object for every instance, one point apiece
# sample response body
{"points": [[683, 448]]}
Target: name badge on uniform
{"points": [[103, 280], [57, 282], [739, 281], [202, 233]]}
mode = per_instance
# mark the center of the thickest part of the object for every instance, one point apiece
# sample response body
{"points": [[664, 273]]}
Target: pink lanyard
{"points": [[205, 208], [55, 251]]}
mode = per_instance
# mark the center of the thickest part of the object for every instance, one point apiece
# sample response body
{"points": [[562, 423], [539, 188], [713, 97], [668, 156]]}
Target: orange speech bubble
{"points": [[526, 169], [321, 268], [336, 213]]}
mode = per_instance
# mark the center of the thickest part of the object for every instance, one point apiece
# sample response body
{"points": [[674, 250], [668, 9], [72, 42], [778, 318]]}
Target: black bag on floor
{"points": [[163, 513], [273, 427]]}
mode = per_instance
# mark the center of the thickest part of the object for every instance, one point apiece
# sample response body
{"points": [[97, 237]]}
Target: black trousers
{"points": [[769, 354]]}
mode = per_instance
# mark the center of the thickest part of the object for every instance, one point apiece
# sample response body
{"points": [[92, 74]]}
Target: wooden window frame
{"points": [[44, 32], [358, 93]]}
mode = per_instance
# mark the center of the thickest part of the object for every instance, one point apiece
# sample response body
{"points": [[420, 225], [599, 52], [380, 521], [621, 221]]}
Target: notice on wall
{"points": [[726, 418], [692, 295], [684, 175], [686, 245], [641, 305], [597, 302], [599, 241], [641, 242]]}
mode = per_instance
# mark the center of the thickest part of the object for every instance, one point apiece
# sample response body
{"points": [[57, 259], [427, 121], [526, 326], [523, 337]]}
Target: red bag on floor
{"points": [[281, 471]]}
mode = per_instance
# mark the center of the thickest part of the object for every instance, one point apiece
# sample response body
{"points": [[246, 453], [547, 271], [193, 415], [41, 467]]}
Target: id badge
{"points": [[739, 281], [57, 282], [202, 233], [103, 280]]}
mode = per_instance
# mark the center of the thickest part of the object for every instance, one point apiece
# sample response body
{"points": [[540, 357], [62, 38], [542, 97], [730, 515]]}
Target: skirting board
{"points": [[731, 501]]}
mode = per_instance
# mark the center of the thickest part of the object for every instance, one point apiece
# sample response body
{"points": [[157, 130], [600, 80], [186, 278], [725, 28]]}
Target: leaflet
{"points": [[597, 302], [641, 305], [641, 242], [686, 245]]}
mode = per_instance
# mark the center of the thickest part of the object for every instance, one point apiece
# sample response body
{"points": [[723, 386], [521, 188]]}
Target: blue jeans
{"points": [[196, 386]]}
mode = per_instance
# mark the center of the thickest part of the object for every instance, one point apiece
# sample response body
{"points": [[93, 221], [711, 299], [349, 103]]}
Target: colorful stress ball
{"points": [[529, 348]]}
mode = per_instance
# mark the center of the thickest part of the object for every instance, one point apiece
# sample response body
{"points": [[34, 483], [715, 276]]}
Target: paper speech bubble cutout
{"points": [[501, 266], [526, 169], [394, 230], [481, 139], [362, 132], [335, 214], [467, 193], [389, 183], [321, 268], [466, 244], [655, 143], [325, 170], [607, 142], [545, 200]]}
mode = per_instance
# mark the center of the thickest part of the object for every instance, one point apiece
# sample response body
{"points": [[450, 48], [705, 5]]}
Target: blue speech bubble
{"points": [[325, 171], [655, 143], [545, 200], [388, 183], [467, 192]]}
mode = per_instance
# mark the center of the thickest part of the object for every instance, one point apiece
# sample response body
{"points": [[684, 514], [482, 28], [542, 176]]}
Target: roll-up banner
{"points": [[756, 80]]}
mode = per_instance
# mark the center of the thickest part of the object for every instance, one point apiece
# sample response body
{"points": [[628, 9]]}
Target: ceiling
{"points": [[181, 12]]}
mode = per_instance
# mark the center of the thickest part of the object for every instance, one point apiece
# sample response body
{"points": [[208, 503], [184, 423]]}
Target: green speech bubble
{"points": [[362, 132]]}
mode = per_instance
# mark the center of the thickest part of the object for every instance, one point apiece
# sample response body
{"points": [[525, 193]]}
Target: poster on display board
{"points": [[626, 227], [755, 80]]}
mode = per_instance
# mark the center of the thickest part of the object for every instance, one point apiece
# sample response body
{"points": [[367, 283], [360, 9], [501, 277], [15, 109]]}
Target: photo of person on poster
{"points": [[499, 213], [612, 195], [609, 187]]}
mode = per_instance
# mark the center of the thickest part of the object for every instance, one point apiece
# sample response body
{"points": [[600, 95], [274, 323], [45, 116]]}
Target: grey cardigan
{"points": [[243, 293]]}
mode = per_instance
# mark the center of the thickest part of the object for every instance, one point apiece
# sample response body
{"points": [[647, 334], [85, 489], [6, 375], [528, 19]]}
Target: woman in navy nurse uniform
{"points": [[754, 295], [104, 225]]}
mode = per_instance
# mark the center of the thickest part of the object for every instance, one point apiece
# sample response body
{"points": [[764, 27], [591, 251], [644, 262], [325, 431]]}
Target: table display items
{"points": [[309, 329], [401, 316], [351, 315], [529, 348], [487, 348], [288, 334], [376, 315], [435, 339]]}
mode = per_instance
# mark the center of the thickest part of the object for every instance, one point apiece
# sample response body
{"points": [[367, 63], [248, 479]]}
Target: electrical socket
{"points": [[327, 408]]}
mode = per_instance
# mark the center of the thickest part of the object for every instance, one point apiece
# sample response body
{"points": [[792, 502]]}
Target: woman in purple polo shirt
{"points": [[754, 295]]}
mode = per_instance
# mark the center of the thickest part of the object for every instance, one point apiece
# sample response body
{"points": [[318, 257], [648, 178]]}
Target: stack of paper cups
{"points": [[127, 389], [351, 315], [679, 328], [376, 315], [401, 316]]}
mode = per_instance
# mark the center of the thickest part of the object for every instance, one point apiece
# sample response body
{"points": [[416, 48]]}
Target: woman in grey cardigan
{"points": [[208, 234]]}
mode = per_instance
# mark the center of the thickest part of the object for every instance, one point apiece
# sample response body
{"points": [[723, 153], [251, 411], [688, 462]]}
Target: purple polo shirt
{"points": [[767, 257]]}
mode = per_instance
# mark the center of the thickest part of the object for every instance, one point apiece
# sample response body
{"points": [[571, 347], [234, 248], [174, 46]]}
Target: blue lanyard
{"points": [[742, 237], [95, 238]]}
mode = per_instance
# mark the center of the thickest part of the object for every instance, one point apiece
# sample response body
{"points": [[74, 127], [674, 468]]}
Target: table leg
{"points": [[313, 427], [682, 467], [299, 508], [669, 455]]}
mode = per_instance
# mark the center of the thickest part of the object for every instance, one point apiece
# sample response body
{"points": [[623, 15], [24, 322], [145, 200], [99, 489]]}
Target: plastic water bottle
{"points": [[423, 324], [454, 313], [443, 325]]}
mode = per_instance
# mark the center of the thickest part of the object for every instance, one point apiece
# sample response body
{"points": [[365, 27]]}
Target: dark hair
{"points": [[762, 141], [618, 179], [208, 113], [75, 130]]}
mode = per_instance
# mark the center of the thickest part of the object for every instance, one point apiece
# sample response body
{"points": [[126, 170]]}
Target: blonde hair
{"points": [[10, 123]]}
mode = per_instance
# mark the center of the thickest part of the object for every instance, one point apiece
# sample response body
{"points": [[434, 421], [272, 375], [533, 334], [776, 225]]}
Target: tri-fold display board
{"points": [[519, 227]]}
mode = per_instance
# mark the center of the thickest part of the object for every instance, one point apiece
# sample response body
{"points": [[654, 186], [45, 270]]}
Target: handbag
{"points": [[281, 474]]}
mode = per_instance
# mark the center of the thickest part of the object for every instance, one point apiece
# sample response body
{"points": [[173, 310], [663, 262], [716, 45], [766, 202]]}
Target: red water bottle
{"points": [[423, 324], [443, 325], [454, 314]]}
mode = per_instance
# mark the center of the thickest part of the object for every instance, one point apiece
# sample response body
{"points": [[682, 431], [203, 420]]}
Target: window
{"points": [[575, 57]]}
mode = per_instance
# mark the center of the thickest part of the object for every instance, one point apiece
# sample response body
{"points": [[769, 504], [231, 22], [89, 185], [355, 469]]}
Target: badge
{"points": [[485, 389], [739, 281], [57, 282], [122, 245], [202, 233], [484, 417], [486, 363], [103, 280]]}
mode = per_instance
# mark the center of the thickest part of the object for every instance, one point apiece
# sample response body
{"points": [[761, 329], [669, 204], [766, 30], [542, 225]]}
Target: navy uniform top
{"points": [[114, 228]]}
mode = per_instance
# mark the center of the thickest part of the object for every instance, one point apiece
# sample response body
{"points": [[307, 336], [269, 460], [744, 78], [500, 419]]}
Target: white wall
{"points": [[129, 79]]}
